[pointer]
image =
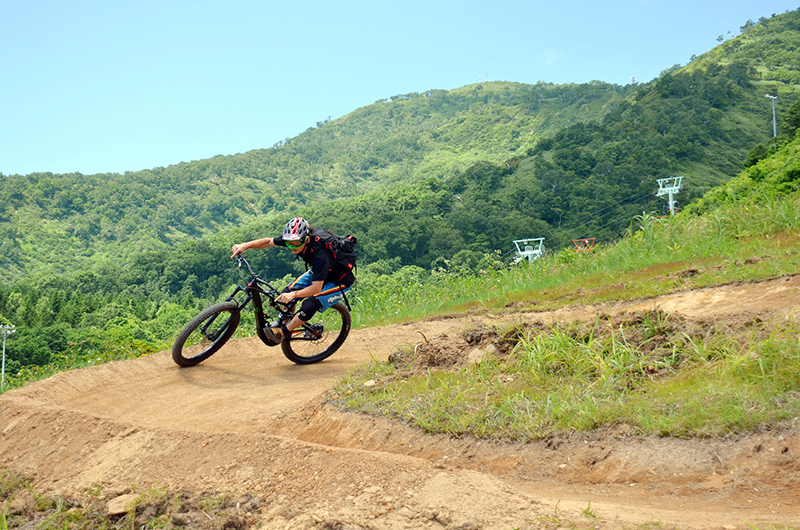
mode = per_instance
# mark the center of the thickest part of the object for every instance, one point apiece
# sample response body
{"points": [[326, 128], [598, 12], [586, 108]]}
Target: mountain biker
{"points": [[320, 287]]}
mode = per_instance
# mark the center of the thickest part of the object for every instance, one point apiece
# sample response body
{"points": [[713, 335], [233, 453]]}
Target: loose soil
{"points": [[252, 425]]}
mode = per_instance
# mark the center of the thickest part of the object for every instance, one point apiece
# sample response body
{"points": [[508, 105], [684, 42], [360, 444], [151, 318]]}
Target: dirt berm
{"points": [[247, 421]]}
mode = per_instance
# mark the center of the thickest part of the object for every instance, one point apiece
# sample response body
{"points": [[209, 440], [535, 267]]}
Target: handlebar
{"points": [[241, 261], [270, 290]]}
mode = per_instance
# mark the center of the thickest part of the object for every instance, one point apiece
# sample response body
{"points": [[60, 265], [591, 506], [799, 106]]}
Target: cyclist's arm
{"points": [[311, 290], [305, 292], [264, 242]]}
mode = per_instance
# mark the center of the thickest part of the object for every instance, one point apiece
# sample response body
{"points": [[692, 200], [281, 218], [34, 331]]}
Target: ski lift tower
{"points": [[529, 249], [669, 186], [584, 244]]}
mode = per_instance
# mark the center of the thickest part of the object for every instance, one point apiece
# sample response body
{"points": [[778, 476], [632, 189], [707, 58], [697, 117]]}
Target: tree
{"points": [[756, 154], [791, 121], [29, 348]]}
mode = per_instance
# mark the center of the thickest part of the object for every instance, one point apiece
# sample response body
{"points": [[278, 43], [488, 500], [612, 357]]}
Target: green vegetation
{"points": [[652, 373], [70, 222], [484, 164], [770, 179], [435, 186]]}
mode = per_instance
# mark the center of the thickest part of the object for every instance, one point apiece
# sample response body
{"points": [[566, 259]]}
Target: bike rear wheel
{"points": [[205, 334], [328, 333]]}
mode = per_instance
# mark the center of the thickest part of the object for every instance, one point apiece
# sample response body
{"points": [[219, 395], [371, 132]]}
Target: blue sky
{"points": [[111, 86]]}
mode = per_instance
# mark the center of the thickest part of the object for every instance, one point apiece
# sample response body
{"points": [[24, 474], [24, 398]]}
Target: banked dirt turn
{"points": [[249, 421]]}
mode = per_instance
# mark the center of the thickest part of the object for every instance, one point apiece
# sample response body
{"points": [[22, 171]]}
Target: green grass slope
{"points": [[646, 373]]}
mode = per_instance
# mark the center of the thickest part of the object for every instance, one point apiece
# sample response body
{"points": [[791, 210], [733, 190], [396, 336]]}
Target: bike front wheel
{"points": [[205, 334], [319, 338]]}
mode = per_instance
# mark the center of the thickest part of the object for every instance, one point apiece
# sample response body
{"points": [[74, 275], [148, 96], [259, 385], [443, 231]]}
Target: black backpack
{"points": [[343, 250]]}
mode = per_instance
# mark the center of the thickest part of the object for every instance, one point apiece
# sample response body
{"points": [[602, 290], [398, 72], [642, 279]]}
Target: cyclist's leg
{"points": [[308, 309], [330, 294]]}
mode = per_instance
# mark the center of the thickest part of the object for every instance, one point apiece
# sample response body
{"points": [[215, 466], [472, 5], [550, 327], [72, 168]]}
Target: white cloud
{"points": [[550, 57]]}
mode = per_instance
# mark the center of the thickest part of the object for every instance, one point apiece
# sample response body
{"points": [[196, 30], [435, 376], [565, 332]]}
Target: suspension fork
{"points": [[239, 306]]}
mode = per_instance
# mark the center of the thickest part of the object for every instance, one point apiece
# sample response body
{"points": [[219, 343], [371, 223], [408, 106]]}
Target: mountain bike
{"points": [[315, 340]]}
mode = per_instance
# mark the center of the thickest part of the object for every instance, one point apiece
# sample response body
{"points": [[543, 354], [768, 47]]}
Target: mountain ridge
{"points": [[607, 141]]}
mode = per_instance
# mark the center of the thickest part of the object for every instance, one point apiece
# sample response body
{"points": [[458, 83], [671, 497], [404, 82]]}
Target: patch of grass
{"points": [[738, 242], [651, 372]]}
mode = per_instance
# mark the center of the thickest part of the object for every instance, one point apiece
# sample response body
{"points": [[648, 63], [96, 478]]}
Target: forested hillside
{"points": [[68, 221], [438, 181], [539, 160], [589, 179]]}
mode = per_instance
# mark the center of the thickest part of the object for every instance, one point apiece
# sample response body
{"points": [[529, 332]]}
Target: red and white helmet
{"points": [[296, 229]]}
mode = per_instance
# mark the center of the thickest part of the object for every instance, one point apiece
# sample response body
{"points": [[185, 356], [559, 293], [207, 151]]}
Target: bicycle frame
{"points": [[253, 291]]}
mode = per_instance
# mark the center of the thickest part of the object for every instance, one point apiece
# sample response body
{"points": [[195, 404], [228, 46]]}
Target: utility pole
{"points": [[774, 122], [7, 330]]}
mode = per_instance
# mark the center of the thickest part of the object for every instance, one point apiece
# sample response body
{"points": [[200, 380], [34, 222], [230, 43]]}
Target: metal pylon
{"points": [[669, 186]]}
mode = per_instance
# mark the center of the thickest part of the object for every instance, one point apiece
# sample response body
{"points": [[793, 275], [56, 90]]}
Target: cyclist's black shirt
{"points": [[318, 258]]}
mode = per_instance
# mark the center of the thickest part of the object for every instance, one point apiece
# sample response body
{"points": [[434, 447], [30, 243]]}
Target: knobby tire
{"points": [[193, 347], [300, 350]]}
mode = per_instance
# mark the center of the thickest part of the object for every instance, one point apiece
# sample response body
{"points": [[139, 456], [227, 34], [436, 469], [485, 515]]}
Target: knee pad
{"points": [[310, 306]]}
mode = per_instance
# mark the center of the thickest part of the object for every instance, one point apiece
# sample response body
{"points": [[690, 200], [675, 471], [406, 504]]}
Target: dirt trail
{"points": [[247, 420]]}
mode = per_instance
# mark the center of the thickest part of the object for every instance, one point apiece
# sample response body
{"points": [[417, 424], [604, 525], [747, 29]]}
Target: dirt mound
{"points": [[250, 423]]}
